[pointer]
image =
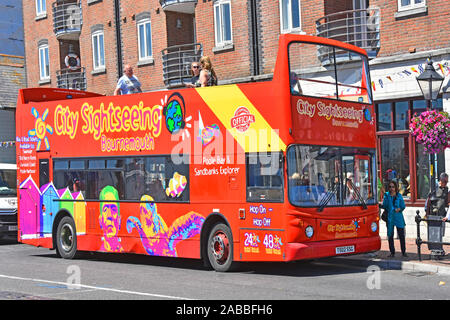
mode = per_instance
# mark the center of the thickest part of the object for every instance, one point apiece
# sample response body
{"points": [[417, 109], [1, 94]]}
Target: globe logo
{"points": [[367, 115], [174, 116]]}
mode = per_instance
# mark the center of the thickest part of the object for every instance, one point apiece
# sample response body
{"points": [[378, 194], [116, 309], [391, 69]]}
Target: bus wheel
{"points": [[66, 238], [220, 248]]}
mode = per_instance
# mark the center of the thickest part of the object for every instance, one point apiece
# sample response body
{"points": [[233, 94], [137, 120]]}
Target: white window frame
{"points": [[41, 7], [290, 28], [44, 60], [99, 64], [219, 27], [412, 5], [148, 55]]}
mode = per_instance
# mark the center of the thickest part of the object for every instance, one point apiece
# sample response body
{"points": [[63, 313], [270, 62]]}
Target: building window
{"points": [[145, 39], [222, 23], [290, 15], [410, 4], [40, 8], [44, 62], [98, 50], [401, 158]]}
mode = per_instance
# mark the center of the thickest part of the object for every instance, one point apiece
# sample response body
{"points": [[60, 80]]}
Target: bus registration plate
{"points": [[345, 249]]}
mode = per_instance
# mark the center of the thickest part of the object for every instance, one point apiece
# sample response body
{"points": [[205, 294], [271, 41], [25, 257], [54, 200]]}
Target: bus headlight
{"points": [[309, 231], [374, 226]]}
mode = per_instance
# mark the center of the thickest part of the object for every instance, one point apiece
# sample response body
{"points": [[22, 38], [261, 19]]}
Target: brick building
{"points": [[86, 43]]}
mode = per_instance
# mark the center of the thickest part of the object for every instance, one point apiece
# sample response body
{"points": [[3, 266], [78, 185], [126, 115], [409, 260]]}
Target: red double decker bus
{"points": [[275, 170]]}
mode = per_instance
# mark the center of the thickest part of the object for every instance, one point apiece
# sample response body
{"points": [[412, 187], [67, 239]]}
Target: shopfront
{"points": [[397, 98]]}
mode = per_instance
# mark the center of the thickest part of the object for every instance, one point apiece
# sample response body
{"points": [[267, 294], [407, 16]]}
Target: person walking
{"points": [[128, 83], [394, 204]]}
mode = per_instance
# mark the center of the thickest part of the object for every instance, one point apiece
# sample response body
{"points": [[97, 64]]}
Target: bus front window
{"points": [[322, 176]]}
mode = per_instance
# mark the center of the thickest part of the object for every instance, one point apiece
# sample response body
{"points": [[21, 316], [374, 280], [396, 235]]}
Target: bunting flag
{"points": [[420, 68], [443, 68], [7, 144]]}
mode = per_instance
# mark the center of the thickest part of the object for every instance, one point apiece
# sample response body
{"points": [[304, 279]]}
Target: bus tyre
{"points": [[220, 248], [66, 238]]}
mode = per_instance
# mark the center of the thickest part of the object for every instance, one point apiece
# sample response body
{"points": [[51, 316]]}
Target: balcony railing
{"points": [[184, 6], [71, 79], [177, 63], [358, 27], [67, 19]]}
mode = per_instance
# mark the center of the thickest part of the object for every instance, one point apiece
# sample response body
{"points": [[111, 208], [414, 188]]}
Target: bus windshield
{"points": [[323, 176], [8, 183], [328, 72]]}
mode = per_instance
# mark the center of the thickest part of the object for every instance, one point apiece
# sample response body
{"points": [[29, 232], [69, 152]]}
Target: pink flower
{"points": [[432, 130]]}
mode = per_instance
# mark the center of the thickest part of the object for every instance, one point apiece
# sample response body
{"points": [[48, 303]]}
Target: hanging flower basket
{"points": [[432, 130]]}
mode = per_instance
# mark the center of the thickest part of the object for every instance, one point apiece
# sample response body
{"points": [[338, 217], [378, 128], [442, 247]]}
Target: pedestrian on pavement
{"points": [[128, 83], [443, 195], [394, 204]]}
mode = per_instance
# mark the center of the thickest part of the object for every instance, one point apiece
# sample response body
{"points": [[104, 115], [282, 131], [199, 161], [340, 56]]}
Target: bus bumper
{"points": [[312, 250]]}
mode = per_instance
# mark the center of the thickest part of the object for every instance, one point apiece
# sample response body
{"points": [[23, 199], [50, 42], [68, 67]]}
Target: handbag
{"points": [[384, 215]]}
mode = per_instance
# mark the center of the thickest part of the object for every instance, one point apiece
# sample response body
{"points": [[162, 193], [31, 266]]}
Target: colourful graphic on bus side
{"points": [[176, 185], [39, 224], [40, 127], [110, 219], [156, 237]]}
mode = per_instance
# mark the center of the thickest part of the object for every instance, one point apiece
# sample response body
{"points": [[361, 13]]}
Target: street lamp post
{"points": [[430, 83]]}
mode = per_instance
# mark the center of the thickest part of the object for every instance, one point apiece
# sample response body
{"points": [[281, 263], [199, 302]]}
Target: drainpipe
{"points": [[254, 35], [118, 38]]}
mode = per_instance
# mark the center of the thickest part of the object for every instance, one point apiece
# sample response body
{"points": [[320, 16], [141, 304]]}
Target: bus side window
{"points": [[264, 177]]}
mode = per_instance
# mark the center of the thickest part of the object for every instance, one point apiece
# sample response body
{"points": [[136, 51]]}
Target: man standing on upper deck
{"points": [[128, 83]]}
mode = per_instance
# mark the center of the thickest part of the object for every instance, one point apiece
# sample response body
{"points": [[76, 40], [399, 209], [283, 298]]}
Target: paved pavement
{"points": [[409, 263]]}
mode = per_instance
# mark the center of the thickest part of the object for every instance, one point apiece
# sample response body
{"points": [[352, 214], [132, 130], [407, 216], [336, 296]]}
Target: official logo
{"points": [[242, 119]]}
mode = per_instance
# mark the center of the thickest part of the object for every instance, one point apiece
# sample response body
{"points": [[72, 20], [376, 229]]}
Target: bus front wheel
{"points": [[66, 238], [220, 248]]}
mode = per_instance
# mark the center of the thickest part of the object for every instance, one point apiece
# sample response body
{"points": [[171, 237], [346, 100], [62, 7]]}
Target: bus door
{"points": [[31, 222], [48, 207]]}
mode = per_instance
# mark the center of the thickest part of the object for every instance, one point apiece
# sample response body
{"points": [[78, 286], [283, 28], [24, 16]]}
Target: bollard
{"points": [[418, 239], [434, 241], [435, 236]]}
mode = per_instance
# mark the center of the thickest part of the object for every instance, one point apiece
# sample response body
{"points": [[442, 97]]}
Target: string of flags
{"points": [[7, 144], [444, 68]]}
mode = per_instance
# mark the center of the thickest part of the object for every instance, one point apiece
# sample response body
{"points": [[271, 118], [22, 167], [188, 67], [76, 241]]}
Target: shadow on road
{"points": [[7, 240], [303, 268]]}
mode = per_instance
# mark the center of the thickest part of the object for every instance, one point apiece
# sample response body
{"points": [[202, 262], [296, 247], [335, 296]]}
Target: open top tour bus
{"points": [[276, 170]]}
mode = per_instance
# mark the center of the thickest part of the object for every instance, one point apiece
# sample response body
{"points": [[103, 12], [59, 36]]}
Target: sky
{"points": [[11, 27]]}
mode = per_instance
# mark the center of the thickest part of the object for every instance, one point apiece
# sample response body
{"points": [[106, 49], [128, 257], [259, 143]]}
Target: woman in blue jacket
{"points": [[394, 204]]}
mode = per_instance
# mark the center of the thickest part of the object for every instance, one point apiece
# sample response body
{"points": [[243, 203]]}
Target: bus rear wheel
{"points": [[66, 238], [220, 248]]}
